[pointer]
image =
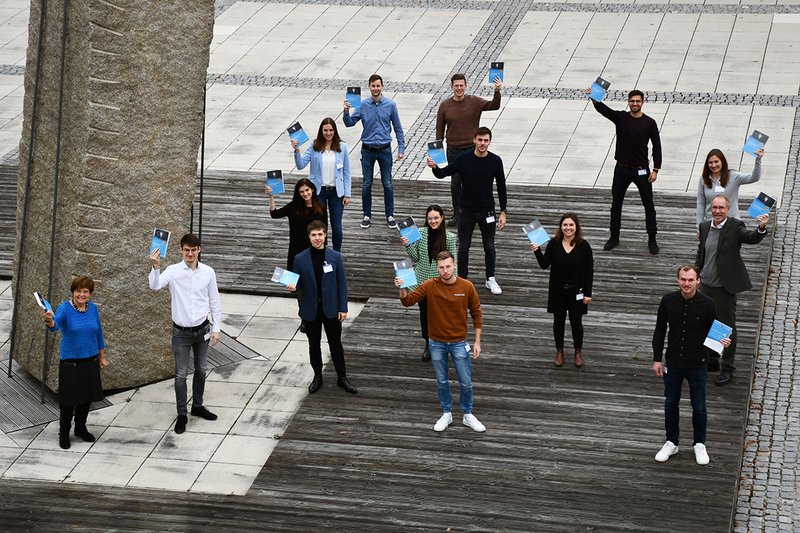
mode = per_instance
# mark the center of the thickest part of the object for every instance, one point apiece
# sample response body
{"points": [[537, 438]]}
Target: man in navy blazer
{"points": [[722, 270], [322, 296]]}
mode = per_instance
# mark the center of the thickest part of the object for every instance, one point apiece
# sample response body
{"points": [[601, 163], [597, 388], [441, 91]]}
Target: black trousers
{"points": [[80, 412], [466, 227], [725, 303], [623, 177], [455, 179], [575, 320], [333, 330]]}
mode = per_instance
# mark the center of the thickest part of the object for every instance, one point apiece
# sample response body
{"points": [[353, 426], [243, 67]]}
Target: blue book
{"points": [[536, 233], [437, 153], [755, 142], [409, 230], [42, 302], [160, 241], [275, 181], [404, 270], [354, 97], [285, 277], [495, 71], [717, 332], [599, 89], [297, 133], [761, 205]]}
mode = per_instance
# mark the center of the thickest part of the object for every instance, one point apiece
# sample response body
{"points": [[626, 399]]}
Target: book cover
{"points": [[404, 269], [755, 142], [437, 153], [495, 71], [160, 241], [717, 332], [599, 89], [536, 233], [354, 97], [761, 205], [409, 230], [297, 133], [42, 302], [275, 181], [285, 277]]}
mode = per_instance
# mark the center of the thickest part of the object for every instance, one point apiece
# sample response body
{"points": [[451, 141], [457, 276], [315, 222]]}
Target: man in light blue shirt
{"points": [[379, 115]]}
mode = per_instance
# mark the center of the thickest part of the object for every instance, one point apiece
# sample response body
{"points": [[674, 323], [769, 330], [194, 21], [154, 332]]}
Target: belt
{"points": [[627, 165], [375, 147], [191, 328], [329, 187]]}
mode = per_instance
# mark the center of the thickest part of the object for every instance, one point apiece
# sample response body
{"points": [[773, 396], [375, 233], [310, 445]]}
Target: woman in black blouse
{"points": [[304, 208], [570, 291]]}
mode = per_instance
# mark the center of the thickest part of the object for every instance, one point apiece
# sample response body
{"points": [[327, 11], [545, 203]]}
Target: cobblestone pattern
{"points": [[12, 70]]}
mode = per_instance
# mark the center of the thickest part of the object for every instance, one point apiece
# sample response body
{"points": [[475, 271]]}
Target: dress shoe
{"points": [[346, 385], [725, 377], [426, 355], [611, 244], [559, 360], [202, 412], [302, 326], [180, 424], [652, 245], [578, 358], [452, 222], [63, 440], [316, 384], [83, 433]]}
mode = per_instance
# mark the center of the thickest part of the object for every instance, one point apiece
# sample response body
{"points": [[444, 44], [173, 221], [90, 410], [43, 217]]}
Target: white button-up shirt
{"points": [[194, 293]]}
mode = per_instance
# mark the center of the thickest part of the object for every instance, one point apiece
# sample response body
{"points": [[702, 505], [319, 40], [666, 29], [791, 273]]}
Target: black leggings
{"points": [[81, 413], [575, 322]]}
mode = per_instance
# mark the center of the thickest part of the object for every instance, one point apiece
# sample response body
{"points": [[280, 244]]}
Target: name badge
{"points": [[490, 219], [719, 188], [327, 268], [579, 296], [339, 165], [643, 172], [207, 336]]}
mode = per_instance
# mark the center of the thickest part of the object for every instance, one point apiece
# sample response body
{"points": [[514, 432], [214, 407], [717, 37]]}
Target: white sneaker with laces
{"points": [[666, 451], [391, 222], [471, 422], [492, 285], [445, 420], [700, 454]]}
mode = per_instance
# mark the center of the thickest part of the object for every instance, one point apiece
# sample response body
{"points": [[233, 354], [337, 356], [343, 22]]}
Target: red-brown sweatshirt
{"points": [[447, 308]]}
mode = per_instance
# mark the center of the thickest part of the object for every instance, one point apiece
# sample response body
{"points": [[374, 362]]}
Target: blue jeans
{"points": [[673, 382], [458, 350], [384, 159], [184, 340], [335, 209]]}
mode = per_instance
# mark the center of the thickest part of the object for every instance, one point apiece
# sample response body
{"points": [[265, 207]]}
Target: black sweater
{"points": [[689, 322], [477, 177], [632, 137]]}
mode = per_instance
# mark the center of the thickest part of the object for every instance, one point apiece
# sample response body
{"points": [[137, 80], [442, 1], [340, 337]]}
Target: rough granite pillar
{"points": [[132, 120]]}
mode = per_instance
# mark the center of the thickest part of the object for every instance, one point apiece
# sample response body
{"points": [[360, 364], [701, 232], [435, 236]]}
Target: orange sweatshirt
{"points": [[447, 308]]}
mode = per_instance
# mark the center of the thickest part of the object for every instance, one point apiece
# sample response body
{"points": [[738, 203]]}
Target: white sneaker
{"points": [[666, 451], [492, 285], [445, 420], [700, 454], [471, 422]]}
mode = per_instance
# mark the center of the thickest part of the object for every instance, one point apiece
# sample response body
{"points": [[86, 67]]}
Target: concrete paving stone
{"points": [[219, 478], [271, 328], [278, 397], [241, 304], [248, 371], [224, 394], [227, 416], [245, 450], [263, 423], [43, 465], [234, 324], [187, 447], [23, 437], [146, 415], [290, 374], [162, 392], [7, 457], [105, 469], [48, 438], [270, 348], [167, 474], [136, 442]]}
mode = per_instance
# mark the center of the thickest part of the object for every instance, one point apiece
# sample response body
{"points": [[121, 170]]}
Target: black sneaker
{"points": [[611, 244], [365, 222], [652, 245], [202, 412]]}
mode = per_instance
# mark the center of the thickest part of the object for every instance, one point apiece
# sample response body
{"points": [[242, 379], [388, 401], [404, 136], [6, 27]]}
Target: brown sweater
{"points": [[447, 308], [462, 118]]}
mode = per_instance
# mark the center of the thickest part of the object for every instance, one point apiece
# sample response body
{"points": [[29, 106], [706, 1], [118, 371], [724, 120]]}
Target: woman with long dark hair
{"points": [[719, 179], [301, 210], [434, 239], [571, 264]]}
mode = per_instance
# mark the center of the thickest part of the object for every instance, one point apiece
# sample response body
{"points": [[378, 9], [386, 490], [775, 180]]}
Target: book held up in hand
{"points": [[354, 97], [408, 229], [495, 71], [404, 269], [755, 142], [717, 332], [42, 302], [285, 277], [297, 133], [599, 89], [160, 242], [761, 205], [275, 181], [437, 153], [536, 233]]}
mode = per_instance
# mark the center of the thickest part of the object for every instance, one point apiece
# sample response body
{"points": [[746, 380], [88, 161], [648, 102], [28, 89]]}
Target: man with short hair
{"points": [[449, 297], [720, 262], [688, 315], [456, 121], [379, 115], [634, 131], [193, 288], [480, 169]]}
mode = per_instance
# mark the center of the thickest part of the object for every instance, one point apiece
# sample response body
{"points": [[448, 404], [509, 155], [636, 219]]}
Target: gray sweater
{"points": [[731, 190]]}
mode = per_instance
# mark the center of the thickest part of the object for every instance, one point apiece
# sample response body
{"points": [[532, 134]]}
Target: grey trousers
{"points": [[184, 341]]}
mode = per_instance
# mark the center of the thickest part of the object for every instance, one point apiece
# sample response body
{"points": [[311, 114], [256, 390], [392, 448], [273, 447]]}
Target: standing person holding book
{"points": [[330, 173], [379, 115], [719, 179], [304, 207], [82, 355], [434, 238], [571, 264], [456, 121]]}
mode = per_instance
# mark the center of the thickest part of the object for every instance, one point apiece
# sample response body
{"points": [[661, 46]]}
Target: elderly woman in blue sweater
{"points": [[83, 353]]}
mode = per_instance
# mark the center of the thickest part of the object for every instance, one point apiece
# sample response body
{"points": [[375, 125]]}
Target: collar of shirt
{"points": [[718, 226]]}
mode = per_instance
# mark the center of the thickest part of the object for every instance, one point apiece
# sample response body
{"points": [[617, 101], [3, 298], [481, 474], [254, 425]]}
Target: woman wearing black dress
{"points": [[304, 208]]}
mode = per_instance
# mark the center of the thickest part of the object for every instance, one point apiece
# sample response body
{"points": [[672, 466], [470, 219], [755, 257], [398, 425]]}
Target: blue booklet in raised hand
{"points": [[409, 230], [536, 233], [297, 133], [755, 142], [160, 241], [599, 89], [275, 181], [354, 97], [717, 332], [42, 302], [761, 205], [404, 269], [495, 71], [285, 277], [437, 153]]}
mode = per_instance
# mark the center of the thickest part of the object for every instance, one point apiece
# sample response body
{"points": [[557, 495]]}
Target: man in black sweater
{"points": [[479, 170], [689, 315], [634, 130]]}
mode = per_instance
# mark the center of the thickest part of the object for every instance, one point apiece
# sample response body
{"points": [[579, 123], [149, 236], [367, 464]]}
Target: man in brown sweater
{"points": [[449, 298], [460, 116]]}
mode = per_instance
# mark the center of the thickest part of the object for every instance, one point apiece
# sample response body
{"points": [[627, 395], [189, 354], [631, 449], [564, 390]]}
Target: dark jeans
{"points": [[423, 319], [335, 209], [184, 341], [384, 159], [725, 303], [673, 382], [81, 413], [575, 321], [466, 227], [333, 330], [623, 177], [455, 179]]}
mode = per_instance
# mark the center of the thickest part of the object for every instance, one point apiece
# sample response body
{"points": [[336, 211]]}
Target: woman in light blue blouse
{"points": [[719, 179], [83, 353]]}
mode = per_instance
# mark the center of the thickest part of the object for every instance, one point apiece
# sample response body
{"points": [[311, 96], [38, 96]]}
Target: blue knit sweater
{"points": [[81, 333]]}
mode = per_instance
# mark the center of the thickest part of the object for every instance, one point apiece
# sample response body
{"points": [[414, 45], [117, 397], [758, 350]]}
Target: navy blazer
{"points": [[334, 285], [730, 267]]}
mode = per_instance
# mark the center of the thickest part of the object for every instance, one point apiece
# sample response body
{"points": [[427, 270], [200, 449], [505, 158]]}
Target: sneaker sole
{"points": [[667, 458]]}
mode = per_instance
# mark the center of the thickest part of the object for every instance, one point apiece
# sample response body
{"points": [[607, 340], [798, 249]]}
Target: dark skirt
{"points": [[79, 381]]}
